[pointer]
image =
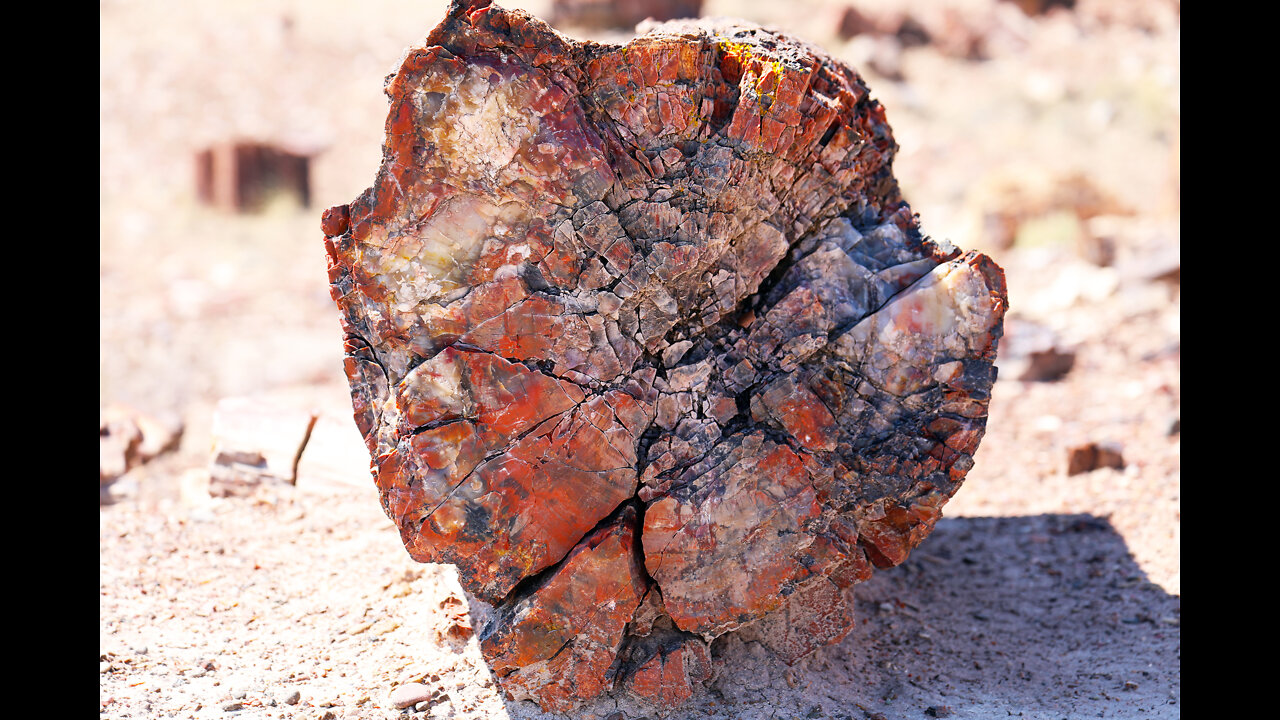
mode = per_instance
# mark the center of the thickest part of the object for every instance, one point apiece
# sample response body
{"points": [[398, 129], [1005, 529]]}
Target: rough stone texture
{"points": [[555, 642], [646, 341]]}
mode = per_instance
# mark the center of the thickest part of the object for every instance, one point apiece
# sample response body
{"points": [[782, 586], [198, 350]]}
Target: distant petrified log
{"points": [[895, 23], [646, 341], [129, 438], [620, 14], [248, 176]]}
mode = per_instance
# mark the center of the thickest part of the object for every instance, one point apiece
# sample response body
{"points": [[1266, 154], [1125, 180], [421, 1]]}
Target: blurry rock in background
{"points": [[249, 176], [1146, 15], [1035, 208], [1040, 7], [127, 440], [1151, 16], [335, 455], [1048, 365], [879, 36], [1093, 456], [1033, 352], [297, 437], [256, 441], [878, 33], [897, 23], [119, 439], [619, 14]]}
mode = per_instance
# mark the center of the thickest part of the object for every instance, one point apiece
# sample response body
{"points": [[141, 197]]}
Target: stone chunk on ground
{"points": [[256, 441], [646, 341], [128, 439], [1092, 456]]}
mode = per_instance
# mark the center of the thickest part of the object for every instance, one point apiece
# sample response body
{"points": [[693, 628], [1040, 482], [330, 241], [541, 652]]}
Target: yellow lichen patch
{"points": [[765, 72]]}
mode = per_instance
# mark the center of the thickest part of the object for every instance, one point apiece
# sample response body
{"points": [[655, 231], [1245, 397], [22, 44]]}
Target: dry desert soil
{"points": [[1041, 594]]}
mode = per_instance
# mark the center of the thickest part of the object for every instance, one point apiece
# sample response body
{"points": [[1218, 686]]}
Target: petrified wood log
{"points": [[646, 341]]}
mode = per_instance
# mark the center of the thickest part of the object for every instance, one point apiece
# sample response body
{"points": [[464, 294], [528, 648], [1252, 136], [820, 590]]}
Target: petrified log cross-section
{"points": [[645, 340]]}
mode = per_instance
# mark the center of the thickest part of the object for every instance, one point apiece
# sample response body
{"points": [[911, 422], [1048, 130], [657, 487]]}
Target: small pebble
{"points": [[410, 694], [233, 706], [292, 698], [938, 711], [1130, 685], [328, 715]]}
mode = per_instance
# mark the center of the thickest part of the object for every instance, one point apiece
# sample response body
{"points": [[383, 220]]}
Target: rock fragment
{"points": [[256, 441], [334, 457], [666, 670], [119, 439], [410, 694], [1048, 365], [894, 23], [646, 341], [1092, 456], [129, 438]]}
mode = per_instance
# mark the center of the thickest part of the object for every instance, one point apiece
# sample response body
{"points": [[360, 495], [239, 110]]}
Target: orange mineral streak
{"points": [[563, 462], [548, 490], [803, 415], [563, 638], [891, 534]]}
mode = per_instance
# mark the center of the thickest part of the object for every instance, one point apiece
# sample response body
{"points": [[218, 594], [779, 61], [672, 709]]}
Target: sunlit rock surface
{"points": [[646, 341]]}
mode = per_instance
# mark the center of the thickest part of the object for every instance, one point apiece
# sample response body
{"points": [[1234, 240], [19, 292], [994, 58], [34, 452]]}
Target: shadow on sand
{"points": [[1044, 616]]}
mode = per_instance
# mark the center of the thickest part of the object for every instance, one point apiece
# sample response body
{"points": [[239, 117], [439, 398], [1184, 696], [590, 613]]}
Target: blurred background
{"points": [[1043, 132]]}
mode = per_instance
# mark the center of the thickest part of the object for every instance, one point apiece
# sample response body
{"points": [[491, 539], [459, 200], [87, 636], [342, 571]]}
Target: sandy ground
{"points": [[1040, 595]]}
